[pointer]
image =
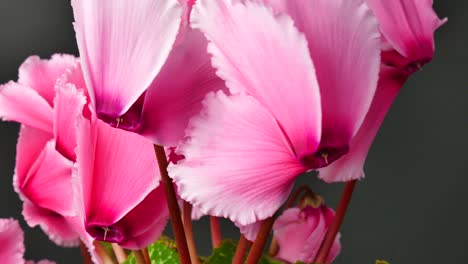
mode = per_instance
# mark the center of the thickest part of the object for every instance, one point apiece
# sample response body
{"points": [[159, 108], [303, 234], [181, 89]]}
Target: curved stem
{"points": [[242, 247], [119, 253], [146, 255], [260, 241], [215, 231], [187, 219], [336, 223], [174, 210], [139, 257]]}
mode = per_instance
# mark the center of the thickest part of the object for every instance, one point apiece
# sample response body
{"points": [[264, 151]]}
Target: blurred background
{"points": [[410, 208]]}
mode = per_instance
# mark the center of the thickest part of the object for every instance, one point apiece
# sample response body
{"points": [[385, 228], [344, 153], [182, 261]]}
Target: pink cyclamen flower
{"points": [[300, 232], [302, 76], [44, 158], [408, 27], [141, 78], [70, 194], [12, 242]]}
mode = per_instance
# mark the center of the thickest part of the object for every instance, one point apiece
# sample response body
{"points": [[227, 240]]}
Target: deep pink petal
{"points": [[265, 56], [123, 45], [237, 163], [351, 165], [344, 43], [408, 25], [58, 228], [22, 104], [41, 75], [145, 222], [116, 171], [31, 142], [11, 240], [47, 183], [176, 94], [68, 104]]}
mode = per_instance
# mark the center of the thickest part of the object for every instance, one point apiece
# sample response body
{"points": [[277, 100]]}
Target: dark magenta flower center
{"points": [[323, 157], [105, 233]]}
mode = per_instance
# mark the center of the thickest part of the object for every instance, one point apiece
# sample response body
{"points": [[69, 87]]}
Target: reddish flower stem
{"points": [[146, 255], [85, 254], [174, 210], [101, 251], [139, 257], [241, 249], [215, 232], [187, 219], [274, 247], [336, 223], [260, 241], [119, 253]]}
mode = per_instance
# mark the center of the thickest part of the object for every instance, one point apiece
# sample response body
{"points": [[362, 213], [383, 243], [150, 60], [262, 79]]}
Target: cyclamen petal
{"points": [[350, 166], [344, 43], [41, 75], [249, 169], [171, 101], [123, 45], [22, 104], [300, 232], [11, 239], [408, 25], [265, 56], [68, 103], [111, 181], [42, 180]]}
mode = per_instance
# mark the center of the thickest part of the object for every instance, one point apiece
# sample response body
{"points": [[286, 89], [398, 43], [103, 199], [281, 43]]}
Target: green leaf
{"points": [[225, 254], [381, 262], [163, 251]]}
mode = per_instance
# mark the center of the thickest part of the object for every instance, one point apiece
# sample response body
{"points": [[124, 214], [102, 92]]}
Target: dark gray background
{"points": [[411, 208]]}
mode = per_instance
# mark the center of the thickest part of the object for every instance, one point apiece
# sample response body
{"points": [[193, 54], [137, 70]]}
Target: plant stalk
{"points": [[260, 241], [187, 220], [241, 249], [215, 232], [174, 210], [336, 223]]}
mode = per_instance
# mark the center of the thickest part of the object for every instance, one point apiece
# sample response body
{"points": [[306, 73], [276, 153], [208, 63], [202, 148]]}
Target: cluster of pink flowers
{"points": [[245, 95]]}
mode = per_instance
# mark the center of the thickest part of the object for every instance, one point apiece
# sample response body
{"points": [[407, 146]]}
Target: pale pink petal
{"points": [[250, 231], [408, 25], [265, 56], [300, 232], [58, 228], [116, 171], [344, 43], [238, 164], [68, 103], [22, 104], [291, 230], [123, 45], [176, 94], [145, 222], [41, 75], [11, 241], [351, 165], [47, 183]]}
